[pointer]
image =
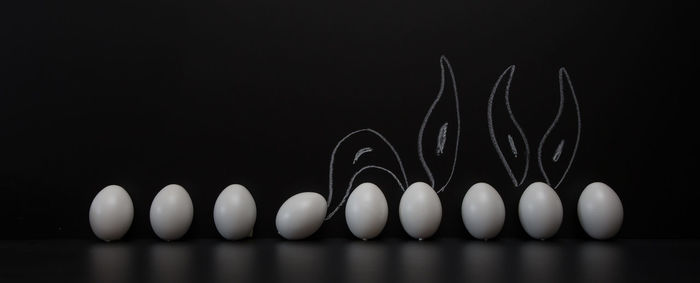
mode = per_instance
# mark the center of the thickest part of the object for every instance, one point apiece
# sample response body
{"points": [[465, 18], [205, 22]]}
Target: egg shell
{"points": [[301, 215], [235, 212], [366, 211], [420, 211], [111, 213], [171, 212], [483, 211], [600, 211], [540, 211]]}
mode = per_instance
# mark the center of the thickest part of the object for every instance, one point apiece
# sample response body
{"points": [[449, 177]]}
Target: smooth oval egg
{"points": [[600, 211], [235, 213], [540, 211], [420, 211], [301, 215], [483, 211], [171, 212], [111, 213], [366, 211]]}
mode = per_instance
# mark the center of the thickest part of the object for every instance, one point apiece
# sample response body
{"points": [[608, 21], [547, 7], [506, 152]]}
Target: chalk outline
{"points": [[347, 192], [489, 114], [557, 152], [443, 62], [441, 139], [511, 143], [563, 74], [360, 152]]}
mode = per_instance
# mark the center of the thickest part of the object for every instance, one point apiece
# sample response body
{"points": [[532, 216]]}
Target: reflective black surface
{"points": [[344, 260]]}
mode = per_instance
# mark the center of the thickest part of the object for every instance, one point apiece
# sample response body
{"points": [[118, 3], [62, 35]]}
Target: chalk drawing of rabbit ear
{"points": [[442, 124], [510, 141], [357, 152], [559, 144]]}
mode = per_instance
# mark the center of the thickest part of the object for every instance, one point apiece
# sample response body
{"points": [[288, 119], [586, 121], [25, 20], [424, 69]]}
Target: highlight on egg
{"points": [[301, 215], [171, 212], [600, 211], [366, 211], [420, 211], [235, 213], [483, 211], [540, 211], [111, 213]]}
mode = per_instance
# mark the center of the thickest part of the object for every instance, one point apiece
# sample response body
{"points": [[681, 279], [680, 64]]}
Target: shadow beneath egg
{"points": [[353, 260]]}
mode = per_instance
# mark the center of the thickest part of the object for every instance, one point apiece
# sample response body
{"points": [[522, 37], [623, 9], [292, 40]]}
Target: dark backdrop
{"points": [[210, 93]]}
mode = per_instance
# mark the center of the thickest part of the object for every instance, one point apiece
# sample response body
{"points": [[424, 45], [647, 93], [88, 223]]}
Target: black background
{"points": [[210, 93]]}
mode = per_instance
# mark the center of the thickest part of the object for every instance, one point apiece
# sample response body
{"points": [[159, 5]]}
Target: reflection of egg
{"points": [[540, 211], [235, 213], [420, 211], [483, 211], [111, 213], [171, 212], [366, 211], [301, 215], [600, 211]]}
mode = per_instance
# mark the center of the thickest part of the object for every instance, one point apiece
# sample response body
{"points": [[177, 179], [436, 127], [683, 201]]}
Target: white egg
{"points": [[483, 211], [366, 211], [111, 213], [235, 213], [600, 211], [301, 215], [171, 212], [420, 211], [540, 211]]}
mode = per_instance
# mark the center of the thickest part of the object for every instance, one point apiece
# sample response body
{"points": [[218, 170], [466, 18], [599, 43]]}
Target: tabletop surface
{"points": [[346, 260]]}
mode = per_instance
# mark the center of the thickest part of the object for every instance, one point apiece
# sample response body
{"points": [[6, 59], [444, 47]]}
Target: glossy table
{"points": [[347, 260]]}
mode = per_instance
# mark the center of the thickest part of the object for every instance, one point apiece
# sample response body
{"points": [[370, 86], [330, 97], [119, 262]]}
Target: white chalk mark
{"points": [[557, 153], [441, 139], [563, 75], [509, 71], [360, 152], [444, 64], [352, 180], [335, 149], [512, 146]]}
